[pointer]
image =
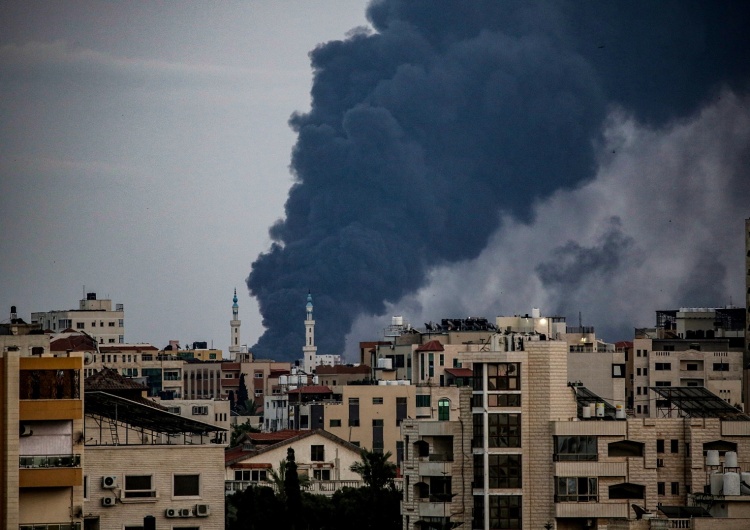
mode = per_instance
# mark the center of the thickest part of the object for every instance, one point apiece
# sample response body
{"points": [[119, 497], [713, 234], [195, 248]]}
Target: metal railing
{"points": [[316, 487], [51, 526], [47, 461]]}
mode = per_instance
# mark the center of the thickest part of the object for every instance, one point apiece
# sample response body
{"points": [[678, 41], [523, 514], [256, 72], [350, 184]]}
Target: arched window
{"points": [[444, 409]]}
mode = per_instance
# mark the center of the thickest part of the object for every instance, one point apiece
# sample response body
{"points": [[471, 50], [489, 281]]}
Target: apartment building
{"points": [[142, 460], [94, 316], [438, 463], [41, 431], [693, 347]]}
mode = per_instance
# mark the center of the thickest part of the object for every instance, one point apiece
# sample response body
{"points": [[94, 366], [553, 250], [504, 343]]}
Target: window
{"points": [[504, 430], [93, 324], [200, 410], [625, 448], [575, 448], [675, 488], [334, 423], [638, 371], [645, 371], [503, 376], [503, 400], [423, 400], [618, 371], [444, 409], [504, 471], [660, 490], [79, 325], [377, 401], [322, 474], [186, 485], [431, 366], [721, 367], [576, 489], [111, 324], [505, 511], [255, 475], [400, 410], [317, 453], [138, 487], [663, 366], [353, 412], [258, 375], [659, 446], [674, 446], [442, 360], [86, 487], [692, 367]]}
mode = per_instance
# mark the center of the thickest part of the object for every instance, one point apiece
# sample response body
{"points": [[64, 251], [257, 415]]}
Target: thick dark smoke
{"points": [[424, 132]]}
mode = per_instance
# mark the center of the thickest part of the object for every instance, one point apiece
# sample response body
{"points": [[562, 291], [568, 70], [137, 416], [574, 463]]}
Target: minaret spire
{"points": [[309, 350], [234, 344]]}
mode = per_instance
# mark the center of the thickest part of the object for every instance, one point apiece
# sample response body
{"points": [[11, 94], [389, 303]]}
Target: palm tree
{"points": [[277, 476], [376, 470]]}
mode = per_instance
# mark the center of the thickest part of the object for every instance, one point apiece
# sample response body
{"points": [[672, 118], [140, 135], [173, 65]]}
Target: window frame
{"points": [[200, 486], [138, 494]]}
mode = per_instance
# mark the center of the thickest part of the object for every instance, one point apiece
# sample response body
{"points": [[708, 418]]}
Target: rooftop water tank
{"points": [[730, 459], [586, 411], [731, 483], [397, 320], [712, 457], [600, 410]]}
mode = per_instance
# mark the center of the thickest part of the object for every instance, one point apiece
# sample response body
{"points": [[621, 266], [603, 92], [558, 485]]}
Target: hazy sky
{"points": [[461, 159], [144, 152]]}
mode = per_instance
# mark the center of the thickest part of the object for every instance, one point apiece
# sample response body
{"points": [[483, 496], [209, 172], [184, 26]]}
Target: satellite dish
{"points": [[88, 357]]}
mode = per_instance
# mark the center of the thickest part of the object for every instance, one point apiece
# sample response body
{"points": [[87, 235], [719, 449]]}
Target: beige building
{"points": [[671, 362], [143, 461], [41, 427], [94, 316], [746, 354], [438, 463]]}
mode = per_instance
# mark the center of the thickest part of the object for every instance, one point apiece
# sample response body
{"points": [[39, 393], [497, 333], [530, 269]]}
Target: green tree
{"points": [[376, 470], [242, 394], [292, 490]]}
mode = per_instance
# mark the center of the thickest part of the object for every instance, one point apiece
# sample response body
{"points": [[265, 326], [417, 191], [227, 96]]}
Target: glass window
{"points": [[377, 401], [423, 400], [138, 487], [317, 453], [576, 489], [186, 485], [575, 448], [504, 430], [444, 409], [334, 423], [504, 511], [503, 376], [504, 471]]}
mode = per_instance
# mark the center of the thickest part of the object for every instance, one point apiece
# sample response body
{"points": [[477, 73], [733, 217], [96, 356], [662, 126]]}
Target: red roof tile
{"points": [[433, 345]]}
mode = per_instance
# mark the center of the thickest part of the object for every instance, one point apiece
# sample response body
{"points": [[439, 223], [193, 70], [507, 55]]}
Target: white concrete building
{"points": [[95, 317]]}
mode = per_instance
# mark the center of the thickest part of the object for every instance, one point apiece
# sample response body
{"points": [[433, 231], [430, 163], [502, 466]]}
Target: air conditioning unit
{"points": [[108, 501], [170, 512], [202, 510], [25, 430], [185, 512], [109, 482]]}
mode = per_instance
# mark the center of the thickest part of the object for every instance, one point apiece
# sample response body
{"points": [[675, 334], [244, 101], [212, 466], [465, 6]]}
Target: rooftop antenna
{"points": [[580, 320]]}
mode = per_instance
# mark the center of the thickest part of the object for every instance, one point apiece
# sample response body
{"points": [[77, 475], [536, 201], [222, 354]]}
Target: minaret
{"points": [[234, 344], [309, 350]]}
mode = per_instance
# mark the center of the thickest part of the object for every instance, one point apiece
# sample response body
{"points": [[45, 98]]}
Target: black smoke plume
{"points": [[424, 131]]}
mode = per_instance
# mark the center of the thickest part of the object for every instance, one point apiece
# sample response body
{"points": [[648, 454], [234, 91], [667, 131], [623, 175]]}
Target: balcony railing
{"points": [[51, 526], [47, 461], [317, 487]]}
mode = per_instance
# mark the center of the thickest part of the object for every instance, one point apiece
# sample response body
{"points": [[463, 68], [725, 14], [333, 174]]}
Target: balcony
{"points": [[592, 509], [438, 468], [435, 428], [51, 526], [47, 461]]}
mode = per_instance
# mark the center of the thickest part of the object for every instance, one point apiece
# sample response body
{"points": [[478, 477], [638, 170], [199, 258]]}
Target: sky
{"points": [[443, 160], [144, 152]]}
